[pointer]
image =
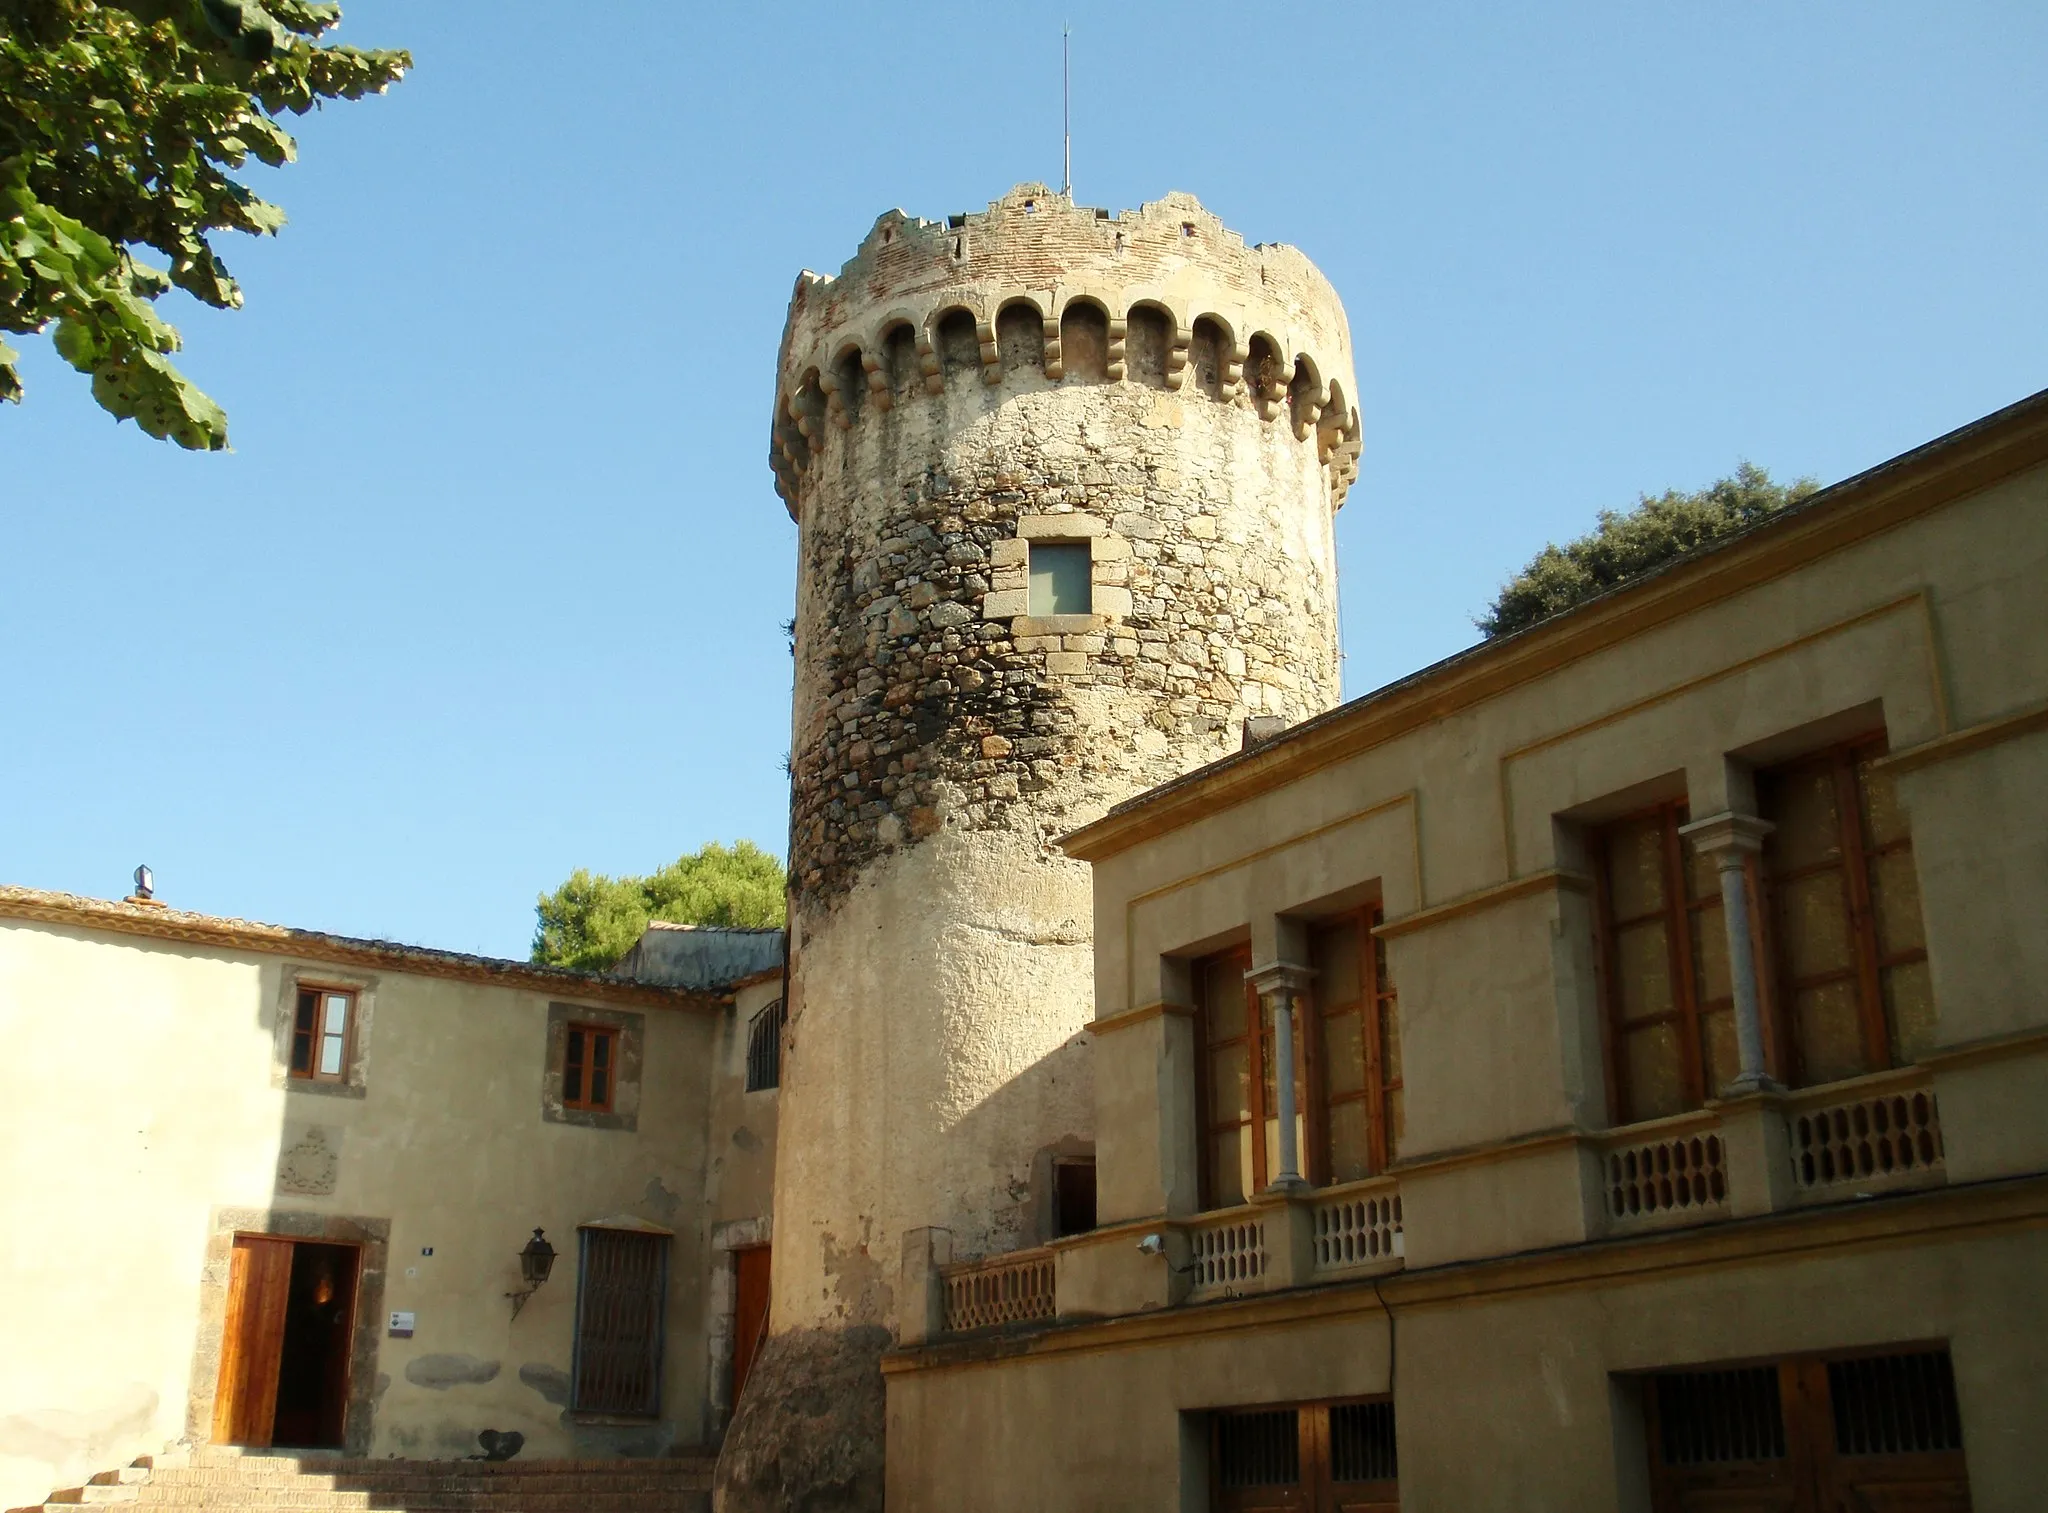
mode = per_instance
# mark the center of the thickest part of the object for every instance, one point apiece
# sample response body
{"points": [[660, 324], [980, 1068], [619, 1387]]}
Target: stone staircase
{"points": [[214, 1477]]}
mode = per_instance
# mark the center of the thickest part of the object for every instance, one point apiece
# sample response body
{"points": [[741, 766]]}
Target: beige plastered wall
{"points": [[1466, 828], [739, 1186], [1512, 1393], [148, 1115], [1516, 1399]]}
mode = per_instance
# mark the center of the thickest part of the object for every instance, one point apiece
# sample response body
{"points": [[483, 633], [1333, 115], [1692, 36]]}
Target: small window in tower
{"points": [[1060, 578]]}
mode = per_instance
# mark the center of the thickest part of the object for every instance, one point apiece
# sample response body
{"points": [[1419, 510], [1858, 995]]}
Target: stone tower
{"points": [[1065, 485]]}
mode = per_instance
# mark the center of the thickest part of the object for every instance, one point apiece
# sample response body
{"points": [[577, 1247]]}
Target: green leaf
{"points": [[122, 121]]}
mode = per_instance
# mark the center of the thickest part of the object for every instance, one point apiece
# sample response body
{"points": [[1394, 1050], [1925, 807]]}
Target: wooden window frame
{"points": [[320, 992], [608, 1036], [1376, 991], [1688, 1010], [1255, 1053], [1867, 963]]}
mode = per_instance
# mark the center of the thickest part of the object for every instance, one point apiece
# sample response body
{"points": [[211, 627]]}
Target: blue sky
{"points": [[491, 586]]}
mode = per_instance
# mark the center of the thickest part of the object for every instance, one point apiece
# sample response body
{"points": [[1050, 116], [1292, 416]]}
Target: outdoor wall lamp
{"points": [[536, 1260]]}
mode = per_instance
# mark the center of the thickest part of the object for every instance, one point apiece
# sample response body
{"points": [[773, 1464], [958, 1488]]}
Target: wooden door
{"points": [[750, 1314], [1316, 1457], [1870, 1434], [252, 1341]]}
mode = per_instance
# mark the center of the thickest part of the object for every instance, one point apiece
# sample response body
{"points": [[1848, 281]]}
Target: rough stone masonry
{"points": [[1146, 387]]}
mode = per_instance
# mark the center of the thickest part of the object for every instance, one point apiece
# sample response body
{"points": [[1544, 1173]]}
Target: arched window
{"points": [[764, 1048]]}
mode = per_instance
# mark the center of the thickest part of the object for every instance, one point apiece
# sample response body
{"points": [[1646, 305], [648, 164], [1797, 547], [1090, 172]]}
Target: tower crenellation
{"points": [[1146, 382]]}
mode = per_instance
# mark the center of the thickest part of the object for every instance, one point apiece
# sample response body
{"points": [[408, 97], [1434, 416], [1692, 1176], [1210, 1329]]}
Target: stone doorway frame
{"points": [[371, 1236], [722, 1316]]}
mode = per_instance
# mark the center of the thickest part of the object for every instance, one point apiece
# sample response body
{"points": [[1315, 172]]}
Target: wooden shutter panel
{"points": [[621, 1290]]}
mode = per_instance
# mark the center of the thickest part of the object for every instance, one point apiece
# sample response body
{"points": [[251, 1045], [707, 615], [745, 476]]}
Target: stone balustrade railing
{"points": [[1227, 1252], [1667, 1172], [1007, 1289], [1876, 1134], [1357, 1227]]}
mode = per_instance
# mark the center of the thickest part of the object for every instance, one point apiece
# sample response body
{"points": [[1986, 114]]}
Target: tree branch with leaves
{"points": [[121, 127]]}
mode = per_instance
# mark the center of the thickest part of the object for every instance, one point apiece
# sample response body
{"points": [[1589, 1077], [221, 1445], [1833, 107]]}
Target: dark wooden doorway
{"points": [[284, 1359], [1855, 1434], [750, 1313], [1312, 1457]]}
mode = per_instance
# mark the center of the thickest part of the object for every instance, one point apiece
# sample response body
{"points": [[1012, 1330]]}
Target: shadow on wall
{"points": [[63, 1448]]}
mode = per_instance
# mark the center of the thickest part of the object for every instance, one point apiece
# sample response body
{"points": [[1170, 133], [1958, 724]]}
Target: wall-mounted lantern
{"points": [[536, 1260]]}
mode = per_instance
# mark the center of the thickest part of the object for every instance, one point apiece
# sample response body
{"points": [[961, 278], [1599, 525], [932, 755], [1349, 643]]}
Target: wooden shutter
{"points": [[621, 1289], [252, 1340]]}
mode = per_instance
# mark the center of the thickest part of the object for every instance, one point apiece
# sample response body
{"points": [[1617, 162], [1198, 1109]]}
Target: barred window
{"points": [[764, 1047]]}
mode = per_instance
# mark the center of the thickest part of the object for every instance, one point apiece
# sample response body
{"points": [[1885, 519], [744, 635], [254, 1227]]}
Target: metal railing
{"points": [[1006, 1289]]}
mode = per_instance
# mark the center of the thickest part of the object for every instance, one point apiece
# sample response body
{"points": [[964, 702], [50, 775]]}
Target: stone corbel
{"points": [[928, 363], [1119, 328], [835, 406], [1177, 356], [879, 394], [1055, 361], [1233, 374], [991, 358]]}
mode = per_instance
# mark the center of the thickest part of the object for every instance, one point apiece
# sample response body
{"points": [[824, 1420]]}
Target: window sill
{"points": [[600, 1420]]}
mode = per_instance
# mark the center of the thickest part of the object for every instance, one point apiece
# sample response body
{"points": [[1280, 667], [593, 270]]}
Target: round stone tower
{"points": [[1065, 485]]}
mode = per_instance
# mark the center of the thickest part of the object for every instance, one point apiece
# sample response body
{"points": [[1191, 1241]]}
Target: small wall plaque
{"points": [[401, 1326]]}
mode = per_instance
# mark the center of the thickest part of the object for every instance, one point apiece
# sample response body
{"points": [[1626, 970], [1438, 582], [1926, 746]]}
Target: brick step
{"points": [[227, 1457], [226, 1480], [509, 1501], [363, 1497], [224, 1501], [424, 1480]]}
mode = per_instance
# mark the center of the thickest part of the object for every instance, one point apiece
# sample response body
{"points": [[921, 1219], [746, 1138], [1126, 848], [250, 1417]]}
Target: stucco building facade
{"points": [[1605, 1070]]}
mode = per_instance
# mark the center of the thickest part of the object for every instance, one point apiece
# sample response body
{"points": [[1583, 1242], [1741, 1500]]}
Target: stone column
{"points": [[1280, 985], [1731, 839]]}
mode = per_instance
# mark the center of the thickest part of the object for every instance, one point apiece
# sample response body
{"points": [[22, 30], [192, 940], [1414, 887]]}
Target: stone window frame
{"points": [[353, 1082], [624, 1113], [1109, 593], [371, 1236]]}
